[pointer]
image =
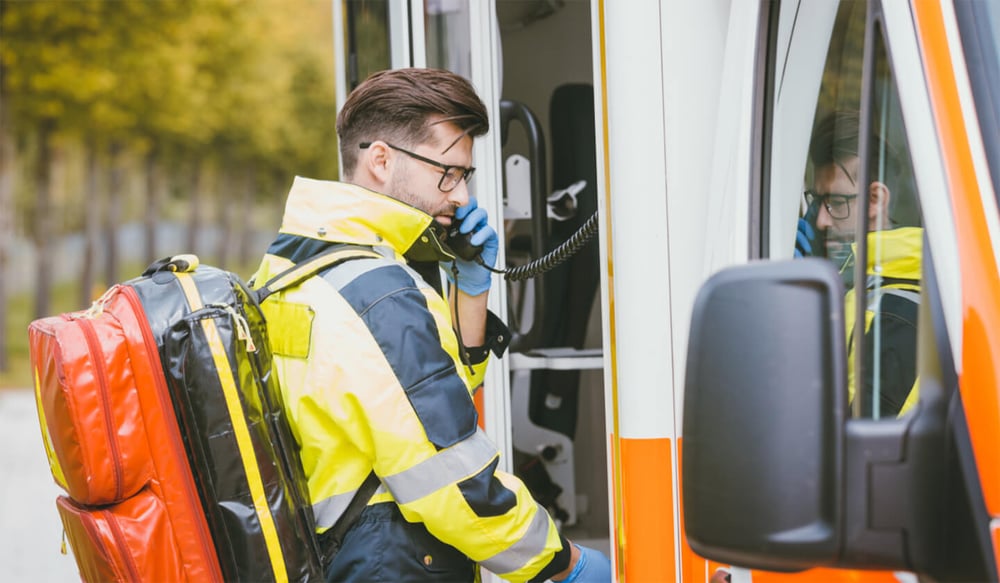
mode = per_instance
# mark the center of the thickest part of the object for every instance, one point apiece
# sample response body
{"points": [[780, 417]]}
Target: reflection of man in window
{"points": [[894, 253]]}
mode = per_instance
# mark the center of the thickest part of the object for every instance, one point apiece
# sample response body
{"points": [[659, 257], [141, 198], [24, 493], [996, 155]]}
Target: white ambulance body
{"points": [[692, 392]]}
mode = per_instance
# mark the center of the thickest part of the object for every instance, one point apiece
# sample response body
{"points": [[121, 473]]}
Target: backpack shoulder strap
{"points": [[331, 540], [300, 272]]}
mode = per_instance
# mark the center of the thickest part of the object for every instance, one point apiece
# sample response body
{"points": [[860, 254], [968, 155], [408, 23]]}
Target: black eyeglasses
{"points": [[836, 204], [451, 175]]}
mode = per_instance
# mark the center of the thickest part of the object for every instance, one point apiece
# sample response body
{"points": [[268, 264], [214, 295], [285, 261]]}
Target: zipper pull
{"points": [[242, 328], [97, 307], [62, 547]]}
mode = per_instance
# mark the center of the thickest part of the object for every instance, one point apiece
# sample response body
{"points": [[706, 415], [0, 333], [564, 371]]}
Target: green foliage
{"points": [[237, 80], [203, 97], [19, 313]]}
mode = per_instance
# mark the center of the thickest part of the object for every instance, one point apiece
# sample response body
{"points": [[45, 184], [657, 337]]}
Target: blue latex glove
{"points": [[591, 567], [473, 278], [805, 238]]}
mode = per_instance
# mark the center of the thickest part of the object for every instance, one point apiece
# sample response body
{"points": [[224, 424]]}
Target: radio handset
{"points": [[818, 239], [460, 243], [461, 246]]}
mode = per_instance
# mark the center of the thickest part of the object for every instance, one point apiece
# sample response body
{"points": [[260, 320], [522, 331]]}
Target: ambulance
{"points": [[684, 392]]}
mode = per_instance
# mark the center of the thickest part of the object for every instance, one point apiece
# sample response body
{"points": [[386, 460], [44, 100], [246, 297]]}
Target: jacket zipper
{"points": [[119, 539], [194, 500], [97, 356]]}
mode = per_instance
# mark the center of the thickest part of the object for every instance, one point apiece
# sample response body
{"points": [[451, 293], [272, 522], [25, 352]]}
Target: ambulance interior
{"points": [[546, 125], [549, 151]]}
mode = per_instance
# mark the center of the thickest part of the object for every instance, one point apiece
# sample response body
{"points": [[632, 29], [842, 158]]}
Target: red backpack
{"points": [[163, 423]]}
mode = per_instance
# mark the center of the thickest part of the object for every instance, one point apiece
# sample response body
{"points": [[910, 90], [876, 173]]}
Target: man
{"points": [[894, 256], [375, 378]]}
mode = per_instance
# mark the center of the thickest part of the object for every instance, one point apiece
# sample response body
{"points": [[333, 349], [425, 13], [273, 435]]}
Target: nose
{"points": [[459, 196], [823, 219]]}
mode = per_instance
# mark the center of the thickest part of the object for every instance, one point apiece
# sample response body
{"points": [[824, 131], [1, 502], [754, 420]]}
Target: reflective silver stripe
{"points": [[443, 469], [328, 510], [903, 293], [519, 553], [348, 271], [906, 294]]}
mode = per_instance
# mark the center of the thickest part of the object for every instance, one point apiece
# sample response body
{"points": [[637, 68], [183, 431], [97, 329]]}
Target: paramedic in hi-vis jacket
{"points": [[374, 375], [894, 256]]}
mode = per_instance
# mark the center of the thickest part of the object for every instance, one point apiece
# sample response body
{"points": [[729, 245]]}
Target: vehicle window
{"points": [[446, 28], [859, 207], [367, 39]]}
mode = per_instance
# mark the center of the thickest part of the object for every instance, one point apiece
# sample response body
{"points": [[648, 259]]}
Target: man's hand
{"points": [[591, 567], [805, 239], [473, 278]]}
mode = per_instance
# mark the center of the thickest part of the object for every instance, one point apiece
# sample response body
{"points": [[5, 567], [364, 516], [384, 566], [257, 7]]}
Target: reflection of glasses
{"points": [[449, 179], [835, 204]]}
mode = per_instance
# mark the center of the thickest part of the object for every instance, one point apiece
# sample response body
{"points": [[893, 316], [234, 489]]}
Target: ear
{"points": [[375, 164], [878, 200]]}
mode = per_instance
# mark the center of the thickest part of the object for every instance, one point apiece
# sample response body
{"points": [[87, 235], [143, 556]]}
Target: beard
{"points": [[841, 254], [399, 189]]}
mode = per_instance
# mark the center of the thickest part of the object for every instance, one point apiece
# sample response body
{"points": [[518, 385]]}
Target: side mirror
{"points": [[765, 399]]}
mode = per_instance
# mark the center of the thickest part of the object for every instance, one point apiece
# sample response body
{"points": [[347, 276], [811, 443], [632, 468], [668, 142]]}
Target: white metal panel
{"points": [[611, 421], [932, 185], [400, 35], [487, 185], [339, 56], [797, 84], [637, 171], [679, 162], [786, 20], [418, 58], [693, 57], [708, 113], [723, 200]]}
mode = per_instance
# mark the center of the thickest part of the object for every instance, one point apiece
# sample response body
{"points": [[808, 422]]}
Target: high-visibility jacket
{"points": [[372, 380], [893, 296]]}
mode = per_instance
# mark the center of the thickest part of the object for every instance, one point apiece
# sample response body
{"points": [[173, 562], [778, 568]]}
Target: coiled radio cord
{"points": [[561, 253], [528, 270]]}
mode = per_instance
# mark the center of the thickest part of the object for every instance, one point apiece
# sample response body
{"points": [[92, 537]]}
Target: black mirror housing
{"points": [[765, 400]]}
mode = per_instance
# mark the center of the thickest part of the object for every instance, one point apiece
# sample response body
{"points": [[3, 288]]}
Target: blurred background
{"points": [[132, 130]]}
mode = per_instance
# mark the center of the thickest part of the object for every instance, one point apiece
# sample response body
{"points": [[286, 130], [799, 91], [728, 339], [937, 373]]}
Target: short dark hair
{"points": [[397, 105], [835, 141]]}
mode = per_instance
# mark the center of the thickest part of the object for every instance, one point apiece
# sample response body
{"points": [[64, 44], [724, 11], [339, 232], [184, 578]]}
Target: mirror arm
{"points": [[894, 485]]}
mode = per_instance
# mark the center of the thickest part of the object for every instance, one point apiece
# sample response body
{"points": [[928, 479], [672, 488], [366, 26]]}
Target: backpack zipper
{"points": [[97, 357], [119, 539], [178, 451], [93, 533]]}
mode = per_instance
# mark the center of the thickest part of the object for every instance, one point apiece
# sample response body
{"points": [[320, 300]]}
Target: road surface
{"points": [[30, 530]]}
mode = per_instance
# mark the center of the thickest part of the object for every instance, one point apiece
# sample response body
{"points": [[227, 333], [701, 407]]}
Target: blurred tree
{"points": [[6, 206], [6, 220], [35, 96], [69, 69], [237, 94], [42, 225], [91, 226], [163, 92]]}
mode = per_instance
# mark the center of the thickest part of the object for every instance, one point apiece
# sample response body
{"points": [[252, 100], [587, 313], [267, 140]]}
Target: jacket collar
{"points": [[339, 212], [898, 251]]}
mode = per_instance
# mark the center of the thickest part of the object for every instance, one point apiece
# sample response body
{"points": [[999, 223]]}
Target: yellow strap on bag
{"points": [[242, 432]]}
